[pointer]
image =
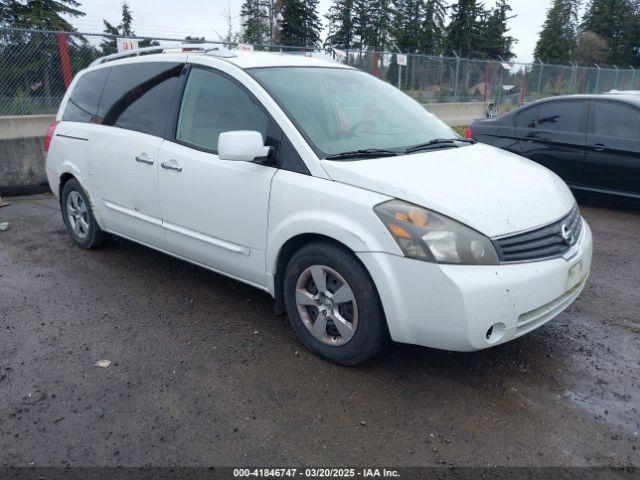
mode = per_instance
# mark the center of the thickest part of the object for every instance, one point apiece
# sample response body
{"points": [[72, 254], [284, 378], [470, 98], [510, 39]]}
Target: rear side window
{"points": [[213, 103], [83, 101], [613, 120], [138, 96], [561, 116], [528, 118]]}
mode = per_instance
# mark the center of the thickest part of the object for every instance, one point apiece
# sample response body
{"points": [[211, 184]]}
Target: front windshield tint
{"points": [[339, 110]]}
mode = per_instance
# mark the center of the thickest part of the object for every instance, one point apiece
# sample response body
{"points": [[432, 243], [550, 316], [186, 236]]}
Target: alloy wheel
{"points": [[327, 305], [78, 215]]}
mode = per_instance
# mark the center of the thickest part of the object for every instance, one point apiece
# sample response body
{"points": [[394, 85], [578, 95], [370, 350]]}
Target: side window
{"points": [[83, 101], [561, 116], [527, 118], [613, 120], [213, 103], [138, 96]]}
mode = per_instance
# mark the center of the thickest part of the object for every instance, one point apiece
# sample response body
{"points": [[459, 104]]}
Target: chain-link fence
{"points": [[37, 66]]}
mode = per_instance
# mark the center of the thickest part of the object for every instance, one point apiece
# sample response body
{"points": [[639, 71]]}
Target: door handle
{"points": [[599, 147], [171, 166], [144, 159]]}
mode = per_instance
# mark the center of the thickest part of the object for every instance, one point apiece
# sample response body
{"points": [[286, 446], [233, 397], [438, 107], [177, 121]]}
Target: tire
{"points": [[78, 216], [354, 328]]}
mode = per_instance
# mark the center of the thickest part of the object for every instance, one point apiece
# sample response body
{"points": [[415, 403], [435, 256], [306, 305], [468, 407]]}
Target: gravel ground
{"points": [[203, 373]]}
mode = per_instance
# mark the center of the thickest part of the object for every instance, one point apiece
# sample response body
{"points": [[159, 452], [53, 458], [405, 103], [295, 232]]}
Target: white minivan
{"points": [[362, 214]]}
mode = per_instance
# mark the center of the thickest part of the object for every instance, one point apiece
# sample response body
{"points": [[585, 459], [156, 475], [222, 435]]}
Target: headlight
{"points": [[430, 236]]}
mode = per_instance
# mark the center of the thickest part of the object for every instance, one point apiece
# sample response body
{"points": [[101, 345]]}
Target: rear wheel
{"points": [[333, 305], [78, 216]]}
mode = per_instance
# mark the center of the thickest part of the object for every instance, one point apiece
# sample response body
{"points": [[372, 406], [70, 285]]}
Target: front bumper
{"points": [[453, 307]]}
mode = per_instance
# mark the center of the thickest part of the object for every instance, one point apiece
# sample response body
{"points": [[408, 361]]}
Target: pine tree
{"points": [[341, 24], [255, 22], [363, 21], [378, 36], [127, 19], [409, 21], [47, 14], [616, 23], [432, 31], [496, 43], [464, 32], [108, 45], [300, 23], [558, 37], [11, 14]]}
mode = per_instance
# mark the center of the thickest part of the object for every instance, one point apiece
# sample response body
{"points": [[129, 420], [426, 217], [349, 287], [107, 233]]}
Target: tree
{"points": [[108, 45], [34, 58], [230, 36], [557, 40], [255, 22], [615, 21], [341, 24], [408, 25], [496, 43], [465, 31], [47, 14], [127, 19], [300, 23], [363, 21], [11, 13], [432, 31], [591, 48], [379, 34]]}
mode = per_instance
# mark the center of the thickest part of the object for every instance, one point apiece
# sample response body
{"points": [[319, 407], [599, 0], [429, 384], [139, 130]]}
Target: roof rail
{"points": [[215, 49]]}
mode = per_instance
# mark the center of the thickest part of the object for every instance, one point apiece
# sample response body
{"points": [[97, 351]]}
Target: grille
{"points": [[552, 240]]}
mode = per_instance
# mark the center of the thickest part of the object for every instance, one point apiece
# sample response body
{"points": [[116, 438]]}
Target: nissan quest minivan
{"points": [[363, 215]]}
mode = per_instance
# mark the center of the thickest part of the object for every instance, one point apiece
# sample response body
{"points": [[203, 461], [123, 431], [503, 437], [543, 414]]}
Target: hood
{"points": [[488, 189]]}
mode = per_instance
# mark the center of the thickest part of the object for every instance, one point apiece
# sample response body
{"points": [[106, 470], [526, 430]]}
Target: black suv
{"points": [[591, 141]]}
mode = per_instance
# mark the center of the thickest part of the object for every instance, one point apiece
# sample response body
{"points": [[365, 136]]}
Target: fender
{"points": [[303, 205]]}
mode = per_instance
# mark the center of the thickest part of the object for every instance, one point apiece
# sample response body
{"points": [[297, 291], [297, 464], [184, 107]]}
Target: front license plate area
{"points": [[576, 274]]}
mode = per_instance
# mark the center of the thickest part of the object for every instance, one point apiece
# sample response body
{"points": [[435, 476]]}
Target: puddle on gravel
{"points": [[622, 411]]}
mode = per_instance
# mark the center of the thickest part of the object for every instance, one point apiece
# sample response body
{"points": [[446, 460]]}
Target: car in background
{"points": [[591, 141]]}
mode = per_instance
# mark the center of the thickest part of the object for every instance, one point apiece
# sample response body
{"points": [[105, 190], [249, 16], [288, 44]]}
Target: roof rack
{"points": [[215, 49]]}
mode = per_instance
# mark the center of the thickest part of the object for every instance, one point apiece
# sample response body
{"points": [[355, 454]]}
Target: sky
{"points": [[207, 18]]}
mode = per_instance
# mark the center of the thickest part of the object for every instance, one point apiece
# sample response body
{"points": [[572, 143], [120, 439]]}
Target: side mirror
{"points": [[241, 146]]}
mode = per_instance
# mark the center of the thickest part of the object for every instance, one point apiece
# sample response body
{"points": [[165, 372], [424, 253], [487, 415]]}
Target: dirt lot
{"points": [[204, 374]]}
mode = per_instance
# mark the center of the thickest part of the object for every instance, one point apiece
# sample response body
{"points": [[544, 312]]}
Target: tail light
{"points": [[49, 136], [468, 134]]}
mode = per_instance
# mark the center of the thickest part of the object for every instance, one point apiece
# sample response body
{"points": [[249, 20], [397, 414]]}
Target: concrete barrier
{"points": [[22, 151], [22, 142], [458, 114]]}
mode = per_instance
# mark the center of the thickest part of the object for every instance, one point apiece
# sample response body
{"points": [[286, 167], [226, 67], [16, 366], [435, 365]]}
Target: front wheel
{"points": [[333, 304]]}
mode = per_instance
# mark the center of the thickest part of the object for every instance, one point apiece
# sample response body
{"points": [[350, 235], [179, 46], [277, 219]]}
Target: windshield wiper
{"points": [[367, 153], [438, 143]]}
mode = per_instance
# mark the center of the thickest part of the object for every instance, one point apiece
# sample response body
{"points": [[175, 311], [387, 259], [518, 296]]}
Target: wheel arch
{"points": [[68, 173], [289, 248]]}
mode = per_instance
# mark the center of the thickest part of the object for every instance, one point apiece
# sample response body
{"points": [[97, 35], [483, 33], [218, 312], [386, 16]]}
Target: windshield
{"points": [[340, 110]]}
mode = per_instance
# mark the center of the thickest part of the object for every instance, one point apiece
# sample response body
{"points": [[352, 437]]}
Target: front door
{"points": [[215, 211]]}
